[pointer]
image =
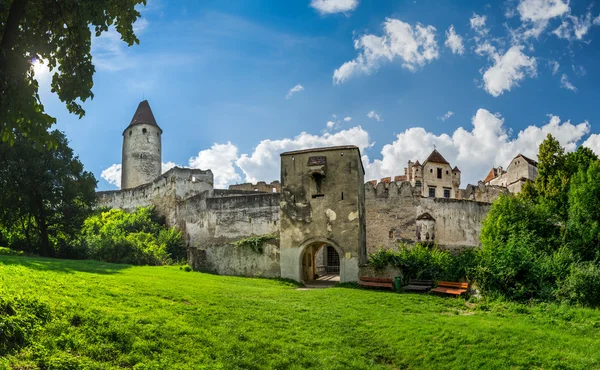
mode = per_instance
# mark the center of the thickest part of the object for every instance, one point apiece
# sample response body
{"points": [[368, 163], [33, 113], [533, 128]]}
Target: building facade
{"points": [[519, 171]]}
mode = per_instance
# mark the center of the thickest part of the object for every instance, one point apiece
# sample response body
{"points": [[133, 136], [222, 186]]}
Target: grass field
{"points": [[114, 316]]}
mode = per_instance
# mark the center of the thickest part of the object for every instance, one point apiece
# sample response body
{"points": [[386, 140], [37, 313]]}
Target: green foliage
{"points": [[45, 195], [60, 37], [20, 319], [255, 242], [133, 238], [545, 243], [422, 262], [582, 285], [583, 227], [10, 252], [107, 316]]}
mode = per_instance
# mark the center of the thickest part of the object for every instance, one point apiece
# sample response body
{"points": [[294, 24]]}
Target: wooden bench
{"points": [[418, 285], [452, 288], [367, 281]]}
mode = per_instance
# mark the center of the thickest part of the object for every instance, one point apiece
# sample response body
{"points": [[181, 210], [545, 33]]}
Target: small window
{"points": [[432, 192], [391, 234], [431, 170], [157, 134], [144, 130], [418, 183], [446, 172], [274, 190], [129, 132], [342, 195], [417, 170], [439, 173], [446, 193]]}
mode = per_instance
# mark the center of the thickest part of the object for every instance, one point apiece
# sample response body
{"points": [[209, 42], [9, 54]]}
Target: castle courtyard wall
{"points": [[392, 210]]}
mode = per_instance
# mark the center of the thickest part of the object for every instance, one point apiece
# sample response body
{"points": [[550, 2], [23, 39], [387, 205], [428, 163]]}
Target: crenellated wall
{"points": [[392, 211]]}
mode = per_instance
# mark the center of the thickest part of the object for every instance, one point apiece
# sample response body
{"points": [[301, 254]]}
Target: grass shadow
{"points": [[62, 265]]}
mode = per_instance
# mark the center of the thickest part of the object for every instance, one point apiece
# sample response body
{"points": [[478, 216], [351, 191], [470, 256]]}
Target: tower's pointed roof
{"points": [[143, 115], [436, 157]]}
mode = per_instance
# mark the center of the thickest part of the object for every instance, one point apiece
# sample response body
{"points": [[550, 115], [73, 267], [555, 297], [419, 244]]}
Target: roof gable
{"points": [[436, 157]]}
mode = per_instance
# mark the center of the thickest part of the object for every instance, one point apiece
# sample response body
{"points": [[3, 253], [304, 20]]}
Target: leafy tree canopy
{"points": [[59, 33], [45, 195]]}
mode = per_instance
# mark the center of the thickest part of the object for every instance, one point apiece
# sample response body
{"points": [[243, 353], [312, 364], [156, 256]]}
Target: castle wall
{"points": [[391, 213], [273, 187], [211, 225], [239, 261], [164, 192]]}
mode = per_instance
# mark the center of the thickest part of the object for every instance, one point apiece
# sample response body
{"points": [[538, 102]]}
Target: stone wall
{"points": [[222, 220], [481, 192], [164, 192], [392, 210], [261, 186], [228, 259]]}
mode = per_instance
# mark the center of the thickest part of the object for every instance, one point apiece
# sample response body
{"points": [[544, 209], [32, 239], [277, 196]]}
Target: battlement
{"points": [[261, 186]]}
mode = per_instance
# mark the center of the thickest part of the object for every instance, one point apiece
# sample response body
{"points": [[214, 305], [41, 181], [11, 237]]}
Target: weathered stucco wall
{"points": [[481, 192], [321, 204], [273, 187], [392, 210], [222, 220], [227, 259]]}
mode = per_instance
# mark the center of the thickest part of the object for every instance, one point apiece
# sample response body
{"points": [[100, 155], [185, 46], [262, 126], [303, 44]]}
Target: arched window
{"points": [[144, 130]]}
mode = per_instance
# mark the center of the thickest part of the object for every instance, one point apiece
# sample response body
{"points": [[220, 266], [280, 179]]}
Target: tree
{"points": [[58, 32], [45, 193], [583, 227]]}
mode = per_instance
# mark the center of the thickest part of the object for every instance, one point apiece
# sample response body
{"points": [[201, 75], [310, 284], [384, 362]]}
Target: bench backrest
{"points": [[451, 284], [421, 282], [375, 279]]}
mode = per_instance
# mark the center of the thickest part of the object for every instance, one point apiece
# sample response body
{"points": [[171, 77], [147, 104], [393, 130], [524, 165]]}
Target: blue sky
{"points": [[234, 83]]}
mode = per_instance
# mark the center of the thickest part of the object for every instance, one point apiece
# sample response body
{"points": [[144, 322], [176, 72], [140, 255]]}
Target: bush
{"points": [[19, 320], [422, 262], [135, 238], [582, 285], [9, 252]]}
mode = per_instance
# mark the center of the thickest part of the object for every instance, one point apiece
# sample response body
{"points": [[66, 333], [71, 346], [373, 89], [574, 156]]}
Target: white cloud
{"points": [[348, 119], [593, 142], [263, 163], [113, 175], [454, 42], [478, 24], [554, 65], [294, 90], [334, 6], [536, 14], [374, 116], [597, 21], [487, 144], [220, 159], [331, 124], [110, 52], [565, 84], [415, 46], [508, 70], [446, 116], [575, 28]]}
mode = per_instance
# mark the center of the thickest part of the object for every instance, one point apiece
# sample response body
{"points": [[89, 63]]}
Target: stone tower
{"points": [[141, 161]]}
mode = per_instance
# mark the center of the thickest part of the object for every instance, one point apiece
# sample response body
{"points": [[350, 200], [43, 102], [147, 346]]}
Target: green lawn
{"points": [[112, 316]]}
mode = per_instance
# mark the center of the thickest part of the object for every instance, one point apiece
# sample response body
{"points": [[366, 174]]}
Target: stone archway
{"points": [[330, 268]]}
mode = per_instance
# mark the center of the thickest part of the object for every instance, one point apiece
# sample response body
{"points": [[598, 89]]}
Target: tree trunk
{"points": [[10, 32], [46, 249]]}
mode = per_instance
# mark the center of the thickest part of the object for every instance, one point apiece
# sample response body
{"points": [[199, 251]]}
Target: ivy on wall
{"points": [[255, 242]]}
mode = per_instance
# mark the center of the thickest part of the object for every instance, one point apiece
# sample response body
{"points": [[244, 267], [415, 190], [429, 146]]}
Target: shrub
{"points": [[422, 262], [134, 238], [19, 320], [9, 252], [582, 285]]}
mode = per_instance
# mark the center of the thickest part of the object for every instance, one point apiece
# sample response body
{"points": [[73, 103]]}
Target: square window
{"points": [[446, 193], [432, 192]]}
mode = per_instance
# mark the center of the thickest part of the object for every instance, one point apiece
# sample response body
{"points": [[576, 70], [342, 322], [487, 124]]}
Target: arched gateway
{"points": [[322, 210]]}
